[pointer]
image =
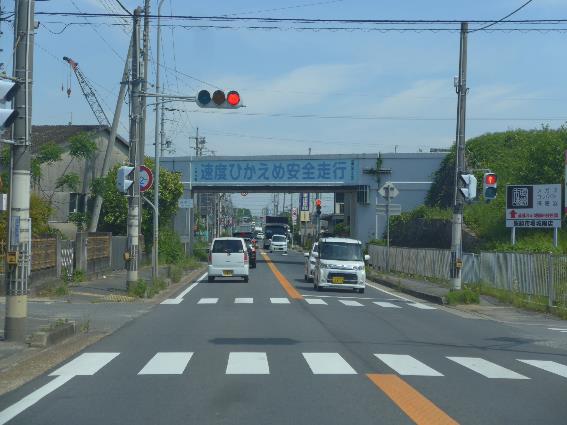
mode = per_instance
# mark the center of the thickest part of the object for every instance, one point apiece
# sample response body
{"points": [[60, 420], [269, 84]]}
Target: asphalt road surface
{"points": [[274, 351]]}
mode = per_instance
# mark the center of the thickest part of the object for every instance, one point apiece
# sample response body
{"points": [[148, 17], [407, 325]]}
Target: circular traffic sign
{"points": [[243, 193], [146, 178]]}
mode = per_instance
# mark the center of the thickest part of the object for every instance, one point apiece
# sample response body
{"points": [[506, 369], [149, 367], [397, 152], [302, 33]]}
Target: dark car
{"points": [[251, 253]]}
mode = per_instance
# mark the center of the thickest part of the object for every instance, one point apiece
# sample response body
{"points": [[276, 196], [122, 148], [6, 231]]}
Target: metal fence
{"points": [[531, 274]]}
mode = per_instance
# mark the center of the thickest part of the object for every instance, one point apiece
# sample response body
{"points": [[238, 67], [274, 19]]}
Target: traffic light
{"points": [[219, 99], [318, 206], [124, 178], [469, 186], [8, 90], [489, 183]]}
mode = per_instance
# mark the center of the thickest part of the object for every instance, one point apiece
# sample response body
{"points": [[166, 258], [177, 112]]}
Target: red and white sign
{"points": [[146, 178], [294, 215], [243, 193]]}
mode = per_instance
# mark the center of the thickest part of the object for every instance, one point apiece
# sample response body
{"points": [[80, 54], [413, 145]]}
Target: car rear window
{"points": [[278, 238], [227, 245]]}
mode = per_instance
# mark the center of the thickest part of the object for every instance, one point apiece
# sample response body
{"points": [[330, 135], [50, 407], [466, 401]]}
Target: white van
{"points": [[340, 264], [278, 244], [228, 257]]}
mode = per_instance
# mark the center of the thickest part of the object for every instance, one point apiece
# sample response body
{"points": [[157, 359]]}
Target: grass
{"points": [[467, 295]]}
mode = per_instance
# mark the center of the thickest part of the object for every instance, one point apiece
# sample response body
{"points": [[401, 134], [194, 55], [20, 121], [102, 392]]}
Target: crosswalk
{"points": [[321, 363], [389, 304]]}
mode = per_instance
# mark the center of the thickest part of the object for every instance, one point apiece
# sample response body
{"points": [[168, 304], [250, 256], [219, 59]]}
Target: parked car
{"points": [[228, 257], [278, 244], [310, 261], [340, 264], [251, 252]]}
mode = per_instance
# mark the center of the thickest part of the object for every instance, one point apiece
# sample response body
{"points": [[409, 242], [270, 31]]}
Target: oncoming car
{"points": [[278, 244], [340, 264], [228, 257]]}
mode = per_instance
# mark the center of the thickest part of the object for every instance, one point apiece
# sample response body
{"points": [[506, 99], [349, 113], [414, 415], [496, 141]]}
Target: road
{"points": [[274, 351]]}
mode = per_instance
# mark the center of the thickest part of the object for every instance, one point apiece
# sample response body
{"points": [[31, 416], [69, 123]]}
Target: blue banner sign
{"points": [[301, 171], [304, 201]]}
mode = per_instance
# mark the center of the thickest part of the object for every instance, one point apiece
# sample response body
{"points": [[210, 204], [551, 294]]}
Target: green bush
{"points": [[138, 290], [200, 250], [156, 287], [175, 273], [467, 295], [170, 247]]}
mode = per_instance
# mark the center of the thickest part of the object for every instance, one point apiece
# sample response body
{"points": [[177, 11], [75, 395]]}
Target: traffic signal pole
{"points": [[135, 115], [460, 167], [19, 233]]}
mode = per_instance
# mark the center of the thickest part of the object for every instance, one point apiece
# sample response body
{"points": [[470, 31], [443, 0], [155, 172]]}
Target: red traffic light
{"points": [[318, 202], [233, 98], [490, 179]]}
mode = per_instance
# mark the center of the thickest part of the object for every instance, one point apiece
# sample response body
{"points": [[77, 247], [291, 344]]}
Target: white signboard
{"points": [[185, 203], [395, 209], [389, 191], [294, 215], [535, 206]]}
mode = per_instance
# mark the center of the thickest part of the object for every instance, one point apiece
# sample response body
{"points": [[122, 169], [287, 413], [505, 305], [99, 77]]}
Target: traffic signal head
{"points": [[489, 184], [8, 90], [124, 178], [469, 186], [219, 99], [318, 206]]}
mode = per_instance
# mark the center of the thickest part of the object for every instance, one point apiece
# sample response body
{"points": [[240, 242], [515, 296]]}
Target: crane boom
{"points": [[88, 92]]}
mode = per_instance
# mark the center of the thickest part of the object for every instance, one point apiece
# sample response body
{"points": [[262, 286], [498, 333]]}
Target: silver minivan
{"points": [[228, 257]]}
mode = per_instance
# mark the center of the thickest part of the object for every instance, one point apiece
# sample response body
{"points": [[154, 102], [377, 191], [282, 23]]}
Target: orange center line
{"points": [[288, 287], [414, 404]]}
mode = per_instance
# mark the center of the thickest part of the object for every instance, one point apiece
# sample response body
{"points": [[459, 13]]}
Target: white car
{"points": [[278, 244], [228, 257], [310, 261], [340, 264], [260, 236]]}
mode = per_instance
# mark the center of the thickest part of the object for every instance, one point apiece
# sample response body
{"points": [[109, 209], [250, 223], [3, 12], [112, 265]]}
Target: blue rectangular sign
{"points": [[301, 171], [304, 201]]}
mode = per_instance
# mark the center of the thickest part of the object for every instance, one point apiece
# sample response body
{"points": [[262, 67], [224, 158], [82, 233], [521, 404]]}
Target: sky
{"points": [[357, 91]]}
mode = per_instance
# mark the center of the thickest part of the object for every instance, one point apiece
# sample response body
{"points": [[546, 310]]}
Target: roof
{"points": [[345, 240], [60, 134]]}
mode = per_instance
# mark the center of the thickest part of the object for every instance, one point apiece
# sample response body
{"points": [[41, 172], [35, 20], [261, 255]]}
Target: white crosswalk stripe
{"points": [[328, 364], [315, 301], [548, 366], [486, 368], [422, 306], [243, 300], [407, 365], [208, 301], [386, 304], [246, 363], [166, 364], [279, 300], [351, 303], [85, 364]]}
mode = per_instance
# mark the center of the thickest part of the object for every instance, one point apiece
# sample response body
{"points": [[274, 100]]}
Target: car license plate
{"points": [[338, 279], [227, 272]]}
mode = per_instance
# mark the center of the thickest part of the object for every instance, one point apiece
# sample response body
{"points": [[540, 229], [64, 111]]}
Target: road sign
{"points": [[395, 209], [243, 193], [304, 201], [389, 191], [533, 206], [304, 217], [294, 215], [146, 178], [185, 203]]}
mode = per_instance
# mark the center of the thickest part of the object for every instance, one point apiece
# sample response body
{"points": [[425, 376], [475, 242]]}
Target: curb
{"points": [[436, 299], [47, 337]]}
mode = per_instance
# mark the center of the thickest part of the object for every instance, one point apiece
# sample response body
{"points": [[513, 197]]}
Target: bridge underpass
{"points": [[358, 177]]}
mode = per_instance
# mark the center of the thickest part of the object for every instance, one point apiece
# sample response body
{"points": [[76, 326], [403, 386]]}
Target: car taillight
{"points": [[245, 257], [210, 258]]}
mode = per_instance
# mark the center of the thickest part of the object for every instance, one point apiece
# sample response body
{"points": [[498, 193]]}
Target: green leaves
{"points": [[82, 146], [69, 181]]}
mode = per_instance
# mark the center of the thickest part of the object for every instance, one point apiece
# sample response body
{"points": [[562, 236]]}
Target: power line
{"points": [[505, 17]]}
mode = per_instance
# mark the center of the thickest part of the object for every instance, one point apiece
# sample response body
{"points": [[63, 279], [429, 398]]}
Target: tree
{"points": [[114, 212]]}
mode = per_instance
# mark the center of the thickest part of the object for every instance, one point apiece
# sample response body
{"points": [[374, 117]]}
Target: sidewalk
{"points": [[417, 288]]}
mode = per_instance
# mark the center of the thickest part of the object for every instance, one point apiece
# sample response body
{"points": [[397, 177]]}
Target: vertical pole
{"points": [[513, 236], [387, 192], [155, 247], [456, 242], [144, 88], [555, 237], [133, 200], [19, 236]]}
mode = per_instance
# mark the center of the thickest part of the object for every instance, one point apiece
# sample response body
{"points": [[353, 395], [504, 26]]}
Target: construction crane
{"points": [[88, 92]]}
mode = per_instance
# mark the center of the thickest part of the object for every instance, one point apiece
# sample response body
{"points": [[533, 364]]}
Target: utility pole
{"points": [[157, 144], [19, 233], [460, 166], [135, 115], [111, 139], [143, 100]]}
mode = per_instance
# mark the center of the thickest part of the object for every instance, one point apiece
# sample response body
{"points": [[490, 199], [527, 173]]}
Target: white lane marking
{"points": [[315, 301], [243, 300], [407, 365], [85, 364], [558, 329], [351, 303], [338, 296], [279, 300], [422, 306], [208, 301], [167, 364], [388, 292], [386, 304], [247, 363], [328, 364], [486, 368], [179, 298], [548, 366], [29, 400]]}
